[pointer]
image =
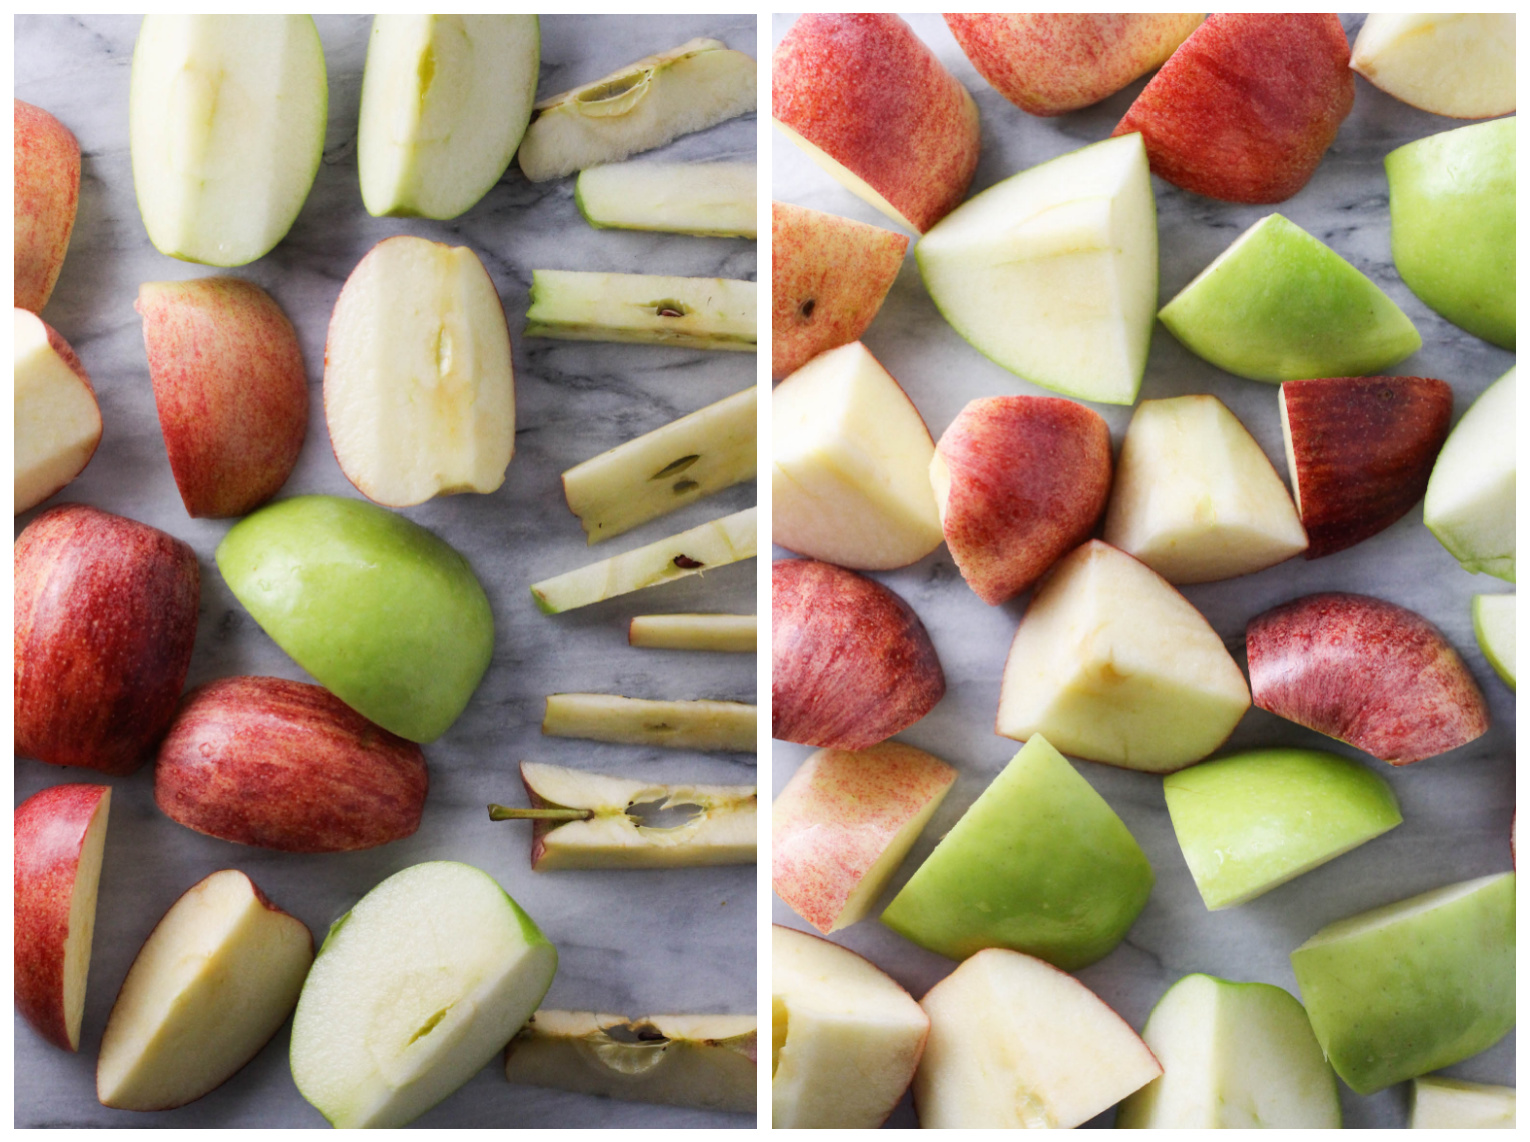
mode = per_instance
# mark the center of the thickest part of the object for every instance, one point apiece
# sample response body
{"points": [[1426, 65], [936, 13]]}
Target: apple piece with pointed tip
{"points": [[1493, 623], [1469, 504], [733, 634], [58, 422], [706, 200], [46, 158], [1459, 64], [1441, 1103], [644, 309], [699, 725]]}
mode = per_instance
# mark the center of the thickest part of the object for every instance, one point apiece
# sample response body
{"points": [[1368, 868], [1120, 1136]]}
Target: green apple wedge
{"points": [[699, 725], [1053, 273], [1278, 305], [1441, 1103], [1493, 621], [733, 634], [1469, 504], [1039, 863], [646, 309], [708, 200], [1251, 822]]}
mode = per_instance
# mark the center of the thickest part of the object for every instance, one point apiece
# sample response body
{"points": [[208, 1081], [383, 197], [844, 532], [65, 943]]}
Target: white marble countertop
{"points": [[637, 943], [1456, 808]]}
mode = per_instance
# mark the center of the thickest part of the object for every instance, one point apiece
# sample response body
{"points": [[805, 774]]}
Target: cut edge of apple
{"points": [[82, 918]]}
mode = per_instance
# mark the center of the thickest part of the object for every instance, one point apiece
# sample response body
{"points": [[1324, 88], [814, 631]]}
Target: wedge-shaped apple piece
{"points": [[638, 107], [1372, 674], [1112, 664], [213, 983], [226, 118], [705, 1061], [1195, 497], [663, 470], [415, 989], [1493, 623], [709, 200], [1455, 63], [1053, 273], [1016, 1043], [736, 634], [1234, 1056], [444, 103], [58, 422], [1469, 504], [649, 309], [46, 165], [1440, 1103], [586, 820], [845, 1039], [638, 721]]}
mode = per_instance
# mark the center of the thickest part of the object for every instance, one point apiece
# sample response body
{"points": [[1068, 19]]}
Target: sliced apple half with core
{"points": [[736, 634], [58, 422], [701, 725], [708, 200]]}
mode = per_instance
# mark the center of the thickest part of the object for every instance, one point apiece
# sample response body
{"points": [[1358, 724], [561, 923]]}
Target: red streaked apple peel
{"points": [[58, 422], [46, 167]]}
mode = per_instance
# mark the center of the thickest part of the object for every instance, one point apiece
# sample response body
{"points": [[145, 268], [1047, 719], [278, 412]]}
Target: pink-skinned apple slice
{"points": [[47, 193], [58, 422], [1459, 64], [1365, 671]]}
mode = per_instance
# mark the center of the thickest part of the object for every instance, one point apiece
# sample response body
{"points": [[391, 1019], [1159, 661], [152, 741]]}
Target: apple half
{"points": [[1469, 502], [645, 309], [46, 166], [58, 421], [699, 725], [1459, 64], [734, 634], [1493, 623], [707, 200], [1441, 1103]]}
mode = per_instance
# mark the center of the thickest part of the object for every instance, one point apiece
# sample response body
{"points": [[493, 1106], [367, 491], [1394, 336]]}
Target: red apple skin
{"points": [[1030, 478], [288, 766], [230, 388], [49, 837], [829, 276], [1247, 106], [851, 664], [864, 89], [47, 194], [1364, 448], [105, 617], [1367, 672], [71, 358]]}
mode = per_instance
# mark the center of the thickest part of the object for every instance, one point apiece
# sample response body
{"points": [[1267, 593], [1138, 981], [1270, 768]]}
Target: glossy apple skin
{"points": [[1246, 107], [230, 388], [47, 193], [286, 765], [1365, 671], [851, 664], [106, 616]]}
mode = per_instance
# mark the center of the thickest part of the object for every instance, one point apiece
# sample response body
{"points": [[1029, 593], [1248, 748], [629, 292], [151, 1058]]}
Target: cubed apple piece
{"points": [[1493, 622], [419, 390], [226, 118], [46, 165], [666, 469], [213, 983], [638, 721], [735, 634], [587, 820], [704, 1061], [718, 200], [648, 309], [444, 103], [714, 544], [58, 422], [1440, 1103], [638, 107], [1469, 504], [1459, 64]]}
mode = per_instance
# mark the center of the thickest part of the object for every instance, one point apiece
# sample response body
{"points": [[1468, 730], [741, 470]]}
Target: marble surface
{"points": [[1456, 808], [637, 943]]}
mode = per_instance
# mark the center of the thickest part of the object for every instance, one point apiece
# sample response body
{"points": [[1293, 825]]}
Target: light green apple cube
{"points": [[1493, 620], [1469, 504]]}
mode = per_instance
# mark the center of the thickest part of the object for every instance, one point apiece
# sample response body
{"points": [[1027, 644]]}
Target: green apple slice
{"points": [[649, 309], [1493, 620], [638, 107], [1470, 501], [737, 634], [1441, 1103], [1053, 273], [226, 119], [715, 200], [444, 103], [1278, 305], [700, 725], [662, 471]]}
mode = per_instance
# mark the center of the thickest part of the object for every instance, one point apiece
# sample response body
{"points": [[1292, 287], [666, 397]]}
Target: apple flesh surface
{"points": [[644, 309], [46, 158], [388, 618], [59, 838], [732, 634], [1493, 623], [706, 200], [1459, 64], [684, 724], [414, 990], [1441, 1103], [1016, 1043], [1469, 504], [58, 422], [1053, 273], [1412, 986]]}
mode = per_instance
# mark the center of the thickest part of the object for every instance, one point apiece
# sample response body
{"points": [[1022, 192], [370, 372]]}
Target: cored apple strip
{"points": [[639, 721], [734, 633], [695, 313], [704, 199]]}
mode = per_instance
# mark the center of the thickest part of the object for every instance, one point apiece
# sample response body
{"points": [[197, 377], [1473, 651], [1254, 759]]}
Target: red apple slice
{"points": [[47, 193], [58, 422]]}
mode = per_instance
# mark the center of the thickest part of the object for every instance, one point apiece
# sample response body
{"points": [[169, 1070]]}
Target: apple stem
{"points": [[504, 813]]}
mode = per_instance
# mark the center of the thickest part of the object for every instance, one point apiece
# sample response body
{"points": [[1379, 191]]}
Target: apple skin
{"points": [[106, 617], [851, 664], [1365, 671], [30, 497], [47, 193], [1246, 107]]}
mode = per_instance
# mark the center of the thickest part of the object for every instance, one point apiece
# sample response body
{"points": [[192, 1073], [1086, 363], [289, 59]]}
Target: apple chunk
{"points": [[1469, 503], [700, 725], [645, 309], [735, 634], [46, 166], [1456, 63], [58, 422], [717, 200], [1493, 623], [1441, 1103]]}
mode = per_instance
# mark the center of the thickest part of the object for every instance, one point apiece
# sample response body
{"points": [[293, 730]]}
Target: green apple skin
{"points": [[1408, 988], [1452, 198], [1278, 305], [1250, 822], [1039, 864], [1493, 622], [384, 615]]}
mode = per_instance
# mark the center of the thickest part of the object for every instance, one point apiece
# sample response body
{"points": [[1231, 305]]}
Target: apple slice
{"points": [[666, 469], [700, 725], [46, 167], [586, 820], [419, 390], [708, 200], [444, 103], [1235, 1056], [846, 1037], [843, 824], [58, 422], [704, 1061], [1469, 504], [1367, 672], [59, 838], [638, 107], [1112, 664], [1440, 1103], [226, 118], [415, 989], [734, 634], [1493, 623], [1458, 63], [647, 309], [1053, 273], [213, 983], [1016, 1043]]}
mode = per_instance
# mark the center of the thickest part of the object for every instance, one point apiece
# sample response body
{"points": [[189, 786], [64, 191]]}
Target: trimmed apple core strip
{"points": [[702, 199], [639, 721], [736, 634], [693, 313]]}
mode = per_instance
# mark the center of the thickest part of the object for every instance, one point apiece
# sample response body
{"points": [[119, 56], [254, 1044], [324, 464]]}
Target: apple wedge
{"points": [[213, 983], [1459, 64], [734, 634], [638, 107], [58, 422], [1469, 503], [1493, 624], [647, 309], [703, 725], [46, 171], [707, 200], [1440, 1103]]}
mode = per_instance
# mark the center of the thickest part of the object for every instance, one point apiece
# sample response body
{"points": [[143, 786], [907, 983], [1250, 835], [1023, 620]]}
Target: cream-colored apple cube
{"points": [[58, 422], [1457, 63], [1441, 1103]]}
